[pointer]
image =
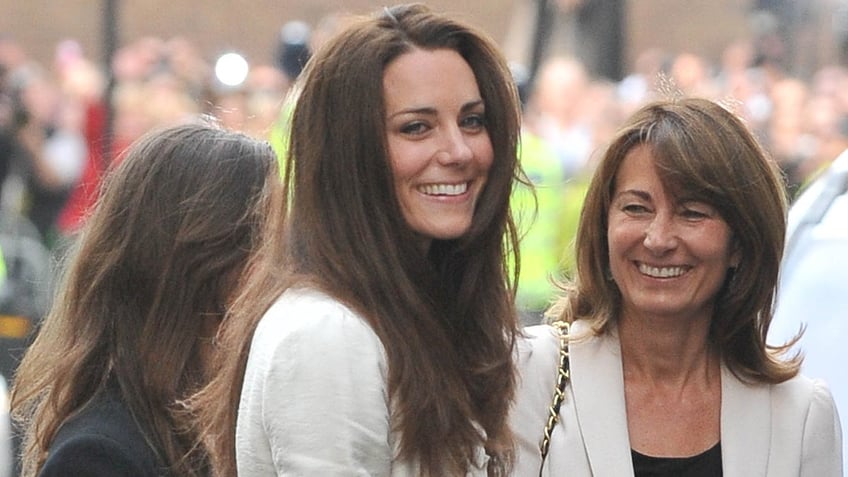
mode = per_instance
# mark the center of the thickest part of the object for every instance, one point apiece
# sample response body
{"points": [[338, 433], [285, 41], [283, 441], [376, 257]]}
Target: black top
{"points": [[706, 464], [103, 440]]}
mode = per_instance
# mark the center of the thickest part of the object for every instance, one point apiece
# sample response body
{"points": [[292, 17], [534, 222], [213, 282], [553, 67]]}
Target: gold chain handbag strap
{"points": [[563, 375]]}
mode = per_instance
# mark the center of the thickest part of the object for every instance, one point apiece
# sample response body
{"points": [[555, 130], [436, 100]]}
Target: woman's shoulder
{"points": [[537, 358], [103, 439], [804, 413], [539, 338], [305, 323], [804, 391], [543, 342], [106, 415], [307, 311], [801, 399]]}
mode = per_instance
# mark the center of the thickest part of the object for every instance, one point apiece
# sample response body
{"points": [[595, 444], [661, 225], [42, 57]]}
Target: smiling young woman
{"points": [[438, 144], [376, 333]]}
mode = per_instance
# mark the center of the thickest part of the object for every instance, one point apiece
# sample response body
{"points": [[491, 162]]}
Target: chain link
{"points": [[563, 375]]}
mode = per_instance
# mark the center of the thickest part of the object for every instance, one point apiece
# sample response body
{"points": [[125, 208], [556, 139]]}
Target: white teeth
{"points": [[444, 189], [664, 272]]}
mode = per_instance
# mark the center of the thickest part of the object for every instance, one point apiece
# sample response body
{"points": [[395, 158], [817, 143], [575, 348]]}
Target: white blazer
{"points": [[315, 398], [788, 429]]}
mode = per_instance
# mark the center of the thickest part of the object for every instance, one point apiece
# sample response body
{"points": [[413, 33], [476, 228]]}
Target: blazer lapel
{"points": [[599, 400], [745, 427]]}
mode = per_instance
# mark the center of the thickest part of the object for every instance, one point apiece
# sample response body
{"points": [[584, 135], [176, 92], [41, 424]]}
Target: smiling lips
{"points": [[662, 272], [444, 189]]}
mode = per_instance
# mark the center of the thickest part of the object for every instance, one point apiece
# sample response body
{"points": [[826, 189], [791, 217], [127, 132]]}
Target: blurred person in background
{"points": [[7, 125], [85, 84], [739, 80], [537, 202], [267, 87], [568, 118], [49, 150], [293, 49], [639, 85], [157, 83], [590, 30], [536, 206], [691, 74], [825, 134], [375, 335], [785, 136], [554, 111], [147, 281], [825, 119]]}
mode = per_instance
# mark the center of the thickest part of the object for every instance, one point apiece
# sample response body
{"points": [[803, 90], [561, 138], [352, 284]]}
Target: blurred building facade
{"points": [[702, 27]]}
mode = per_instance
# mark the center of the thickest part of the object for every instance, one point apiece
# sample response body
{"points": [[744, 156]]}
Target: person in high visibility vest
{"points": [[537, 208]]}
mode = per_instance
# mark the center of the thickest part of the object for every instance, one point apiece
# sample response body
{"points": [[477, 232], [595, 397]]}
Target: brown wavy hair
{"points": [[446, 318], [154, 263], [704, 150]]}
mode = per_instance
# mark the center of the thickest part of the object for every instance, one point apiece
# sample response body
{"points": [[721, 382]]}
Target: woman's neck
{"points": [[667, 351], [672, 381]]}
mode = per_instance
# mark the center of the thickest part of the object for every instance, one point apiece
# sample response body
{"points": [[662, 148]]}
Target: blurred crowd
{"points": [[569, 116], [53, 117], [802, 123], [53, 120]]}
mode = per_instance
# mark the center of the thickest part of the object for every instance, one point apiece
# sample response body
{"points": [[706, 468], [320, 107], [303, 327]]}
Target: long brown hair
{"points": [[446, 319], [703, 150], [168, 238]]}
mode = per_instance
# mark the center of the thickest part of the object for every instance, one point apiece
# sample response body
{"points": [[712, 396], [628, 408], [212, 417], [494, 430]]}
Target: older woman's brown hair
{"points": [[706, 153]]}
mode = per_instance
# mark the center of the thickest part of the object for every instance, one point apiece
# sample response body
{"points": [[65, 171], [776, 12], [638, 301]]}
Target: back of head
{"points": [[562, 83], [177, 212], [147, 279]]}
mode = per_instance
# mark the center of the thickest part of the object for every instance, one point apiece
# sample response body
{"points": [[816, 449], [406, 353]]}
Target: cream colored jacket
{"points": [[790, 429], [314, 400]]}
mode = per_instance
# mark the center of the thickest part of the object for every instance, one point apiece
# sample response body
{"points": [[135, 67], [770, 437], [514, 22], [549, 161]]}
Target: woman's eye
{"points": [[697, 211], [634, 208], [694, 214], [414, 128], [474, 122]]}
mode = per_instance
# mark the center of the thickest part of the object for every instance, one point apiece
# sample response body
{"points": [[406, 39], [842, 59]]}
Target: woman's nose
{"points": [[660, 235], [454, 148]]}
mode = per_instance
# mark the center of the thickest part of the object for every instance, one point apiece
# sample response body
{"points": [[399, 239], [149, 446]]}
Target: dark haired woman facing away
{"points": [[146, 284]]}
